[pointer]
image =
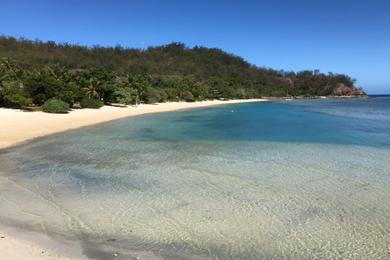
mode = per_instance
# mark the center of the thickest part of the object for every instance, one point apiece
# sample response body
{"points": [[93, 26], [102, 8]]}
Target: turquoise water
{"points": [[296, 179]]}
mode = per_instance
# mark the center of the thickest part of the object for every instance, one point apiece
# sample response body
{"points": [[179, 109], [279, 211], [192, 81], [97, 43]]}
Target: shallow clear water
{"points": [[299, 179]]}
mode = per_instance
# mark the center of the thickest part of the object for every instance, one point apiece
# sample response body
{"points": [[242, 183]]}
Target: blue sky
{"points": [[341, 36]]}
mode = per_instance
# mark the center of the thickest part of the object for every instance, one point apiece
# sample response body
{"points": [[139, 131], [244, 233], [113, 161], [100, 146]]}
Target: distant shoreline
{"points": [[18, 126], [319, 97]]}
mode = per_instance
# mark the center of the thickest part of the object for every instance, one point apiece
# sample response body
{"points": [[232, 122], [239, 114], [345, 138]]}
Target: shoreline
{"points": [[20, 126], [19, 244]]}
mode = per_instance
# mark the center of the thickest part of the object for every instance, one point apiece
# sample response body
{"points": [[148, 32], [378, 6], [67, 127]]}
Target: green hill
{"points": [[35, 71]]}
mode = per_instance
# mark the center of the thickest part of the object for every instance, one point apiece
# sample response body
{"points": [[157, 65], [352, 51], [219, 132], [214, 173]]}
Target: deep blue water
{"points": [[295, 179]]}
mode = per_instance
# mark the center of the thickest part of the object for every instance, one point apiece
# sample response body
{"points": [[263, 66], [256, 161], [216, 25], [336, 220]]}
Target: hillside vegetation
{"points": [[33, 72]]}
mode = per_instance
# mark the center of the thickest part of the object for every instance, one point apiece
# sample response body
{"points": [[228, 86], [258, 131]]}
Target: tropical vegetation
{"points": [[57, 106], [35, 72]]}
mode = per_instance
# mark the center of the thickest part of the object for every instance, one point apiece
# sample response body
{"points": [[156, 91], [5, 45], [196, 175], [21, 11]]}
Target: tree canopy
{"points": [[32, 72]]}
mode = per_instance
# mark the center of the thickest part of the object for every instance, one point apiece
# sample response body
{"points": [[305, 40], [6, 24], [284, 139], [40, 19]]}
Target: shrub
{"points": [[172, 94], [163, 96], [40, 99], [91, 103], [187, 96], [151, 95], [125, 96], [15, 100], [12, 95], [55, 106]]}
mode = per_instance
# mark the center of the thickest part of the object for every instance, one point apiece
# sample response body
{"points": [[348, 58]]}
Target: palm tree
{"points": [[91, 89], [140, 83], [9, 70], [1, 92]]}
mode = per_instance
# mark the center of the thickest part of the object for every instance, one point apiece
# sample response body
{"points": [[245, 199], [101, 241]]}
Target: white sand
{"points": [[18, 245], [17, 126], [17, 249]]}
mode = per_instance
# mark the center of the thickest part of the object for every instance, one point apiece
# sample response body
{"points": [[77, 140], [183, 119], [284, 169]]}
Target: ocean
{"points": [[297, 179]]}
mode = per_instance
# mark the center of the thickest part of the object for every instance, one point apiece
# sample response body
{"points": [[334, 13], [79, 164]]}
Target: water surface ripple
{"points": [[296, 180]]}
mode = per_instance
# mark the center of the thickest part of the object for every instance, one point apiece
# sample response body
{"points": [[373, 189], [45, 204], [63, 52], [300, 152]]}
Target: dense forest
{"points": [[35, 72]]}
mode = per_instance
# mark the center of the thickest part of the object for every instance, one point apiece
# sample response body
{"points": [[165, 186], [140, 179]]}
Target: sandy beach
{"points": [[21, 245], [18, 126]]}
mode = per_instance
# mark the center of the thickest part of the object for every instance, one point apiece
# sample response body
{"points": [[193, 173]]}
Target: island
{"points": [[56, 77]]}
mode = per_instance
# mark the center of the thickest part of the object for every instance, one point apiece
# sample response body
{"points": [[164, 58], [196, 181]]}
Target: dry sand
{"points": [[17, 126]]}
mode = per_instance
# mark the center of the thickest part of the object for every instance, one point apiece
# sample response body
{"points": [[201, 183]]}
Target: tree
{"points": [[153, 95], [187, 96], [171, 72], [126, 95], [13, 95], [91, 90]]}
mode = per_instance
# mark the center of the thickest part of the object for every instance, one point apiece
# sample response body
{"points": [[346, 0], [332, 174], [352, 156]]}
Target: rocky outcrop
{"points": [[344, 90]]}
